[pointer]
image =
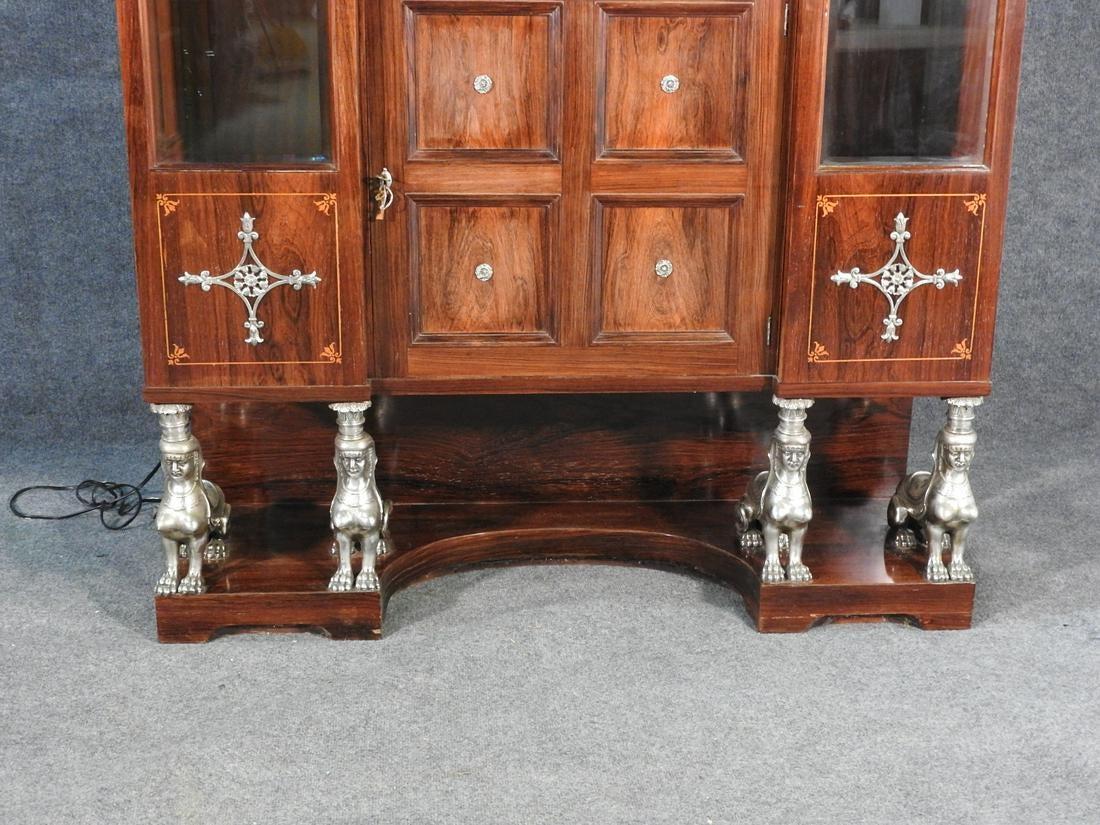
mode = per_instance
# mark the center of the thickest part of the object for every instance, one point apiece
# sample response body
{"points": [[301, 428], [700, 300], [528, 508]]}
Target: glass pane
{"points": [[241, 81], [908, 80]]}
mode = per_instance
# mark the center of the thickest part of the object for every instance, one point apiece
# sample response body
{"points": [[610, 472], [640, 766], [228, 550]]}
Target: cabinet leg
{"points": [[193, 515], [359, 516], [776, 508], [936, 509]]}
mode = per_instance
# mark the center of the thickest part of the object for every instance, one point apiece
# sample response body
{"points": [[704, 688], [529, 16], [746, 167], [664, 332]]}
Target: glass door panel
{"points": [[908, 80], [241, 81]]}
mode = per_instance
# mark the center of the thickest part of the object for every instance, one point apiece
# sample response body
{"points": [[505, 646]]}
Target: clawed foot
{"points": [[192, 584], [772, 573], [936, 572], [167, 585], [961, 572], [216, 551], [751, 541], [367, 580], [341, 580], [904, 540], [799, 573], [383, 545]]}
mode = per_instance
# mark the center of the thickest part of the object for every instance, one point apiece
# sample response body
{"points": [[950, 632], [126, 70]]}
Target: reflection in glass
{"points": [[908, 80], [241, 81]]}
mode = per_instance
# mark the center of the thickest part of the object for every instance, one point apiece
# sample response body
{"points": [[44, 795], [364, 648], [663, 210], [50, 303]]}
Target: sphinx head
{"points": [[353, 463], [955, 451], [181, 465], [959, 457], [794, 456]]}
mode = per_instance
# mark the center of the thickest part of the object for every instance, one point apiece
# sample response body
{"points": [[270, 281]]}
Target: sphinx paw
{"points": [[751, 541], [341, 580], [799, 573], [961, 572], [167, 585], [772, 572], [216, 551], [192, 584], [904, 540], [936, 572], [367, 580]]}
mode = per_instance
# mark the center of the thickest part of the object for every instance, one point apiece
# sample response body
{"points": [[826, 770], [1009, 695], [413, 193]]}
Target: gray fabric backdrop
{"points": [[546, 695]]}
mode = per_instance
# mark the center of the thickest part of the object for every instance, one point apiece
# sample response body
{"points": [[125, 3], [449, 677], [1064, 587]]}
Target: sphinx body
{"points": [[358, 515], [776, 511], [191, 513], [939, 508]]}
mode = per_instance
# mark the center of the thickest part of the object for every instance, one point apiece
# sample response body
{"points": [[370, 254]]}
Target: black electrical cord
{"points": [[117, 504]]}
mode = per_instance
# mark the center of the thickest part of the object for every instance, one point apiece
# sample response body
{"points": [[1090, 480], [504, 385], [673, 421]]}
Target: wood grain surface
{"points": [[453, 238], [695, 301], [520, 51], [946, 232], [705, 47]]}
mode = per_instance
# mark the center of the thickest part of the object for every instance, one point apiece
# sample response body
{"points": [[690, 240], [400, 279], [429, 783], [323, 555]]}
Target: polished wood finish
{"points": [[694, 301], [517, 46], [602, 312], [575, 126], [573, 177], [705, 47], [279, 563], [679, 447], [453, 237], [972, 237], [189, 212]]}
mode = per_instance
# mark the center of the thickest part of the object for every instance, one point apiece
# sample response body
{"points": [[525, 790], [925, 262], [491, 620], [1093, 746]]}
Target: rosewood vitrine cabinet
{"points": [[569, 250]]}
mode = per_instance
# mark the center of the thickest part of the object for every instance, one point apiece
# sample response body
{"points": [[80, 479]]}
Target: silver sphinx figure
{"points": [[777, 503], [193, 515], [939, 506], [358, 514]]}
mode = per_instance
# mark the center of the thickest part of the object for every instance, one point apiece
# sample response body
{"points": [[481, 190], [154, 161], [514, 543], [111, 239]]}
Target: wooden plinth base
{"points": [[275, 576]]}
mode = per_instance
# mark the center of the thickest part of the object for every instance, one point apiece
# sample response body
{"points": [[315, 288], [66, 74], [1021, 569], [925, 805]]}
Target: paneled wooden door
{"points": [[584, 188]]}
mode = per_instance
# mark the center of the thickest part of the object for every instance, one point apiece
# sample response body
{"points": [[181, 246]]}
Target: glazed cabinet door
{"points": [[581, 186], [243, 127], [902, 114]]}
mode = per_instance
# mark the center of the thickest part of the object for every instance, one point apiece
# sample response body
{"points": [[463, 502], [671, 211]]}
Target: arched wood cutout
{"points": [[274, 578]]}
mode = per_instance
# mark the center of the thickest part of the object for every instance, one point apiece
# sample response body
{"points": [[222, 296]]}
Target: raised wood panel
{"points": [[453, 238], [698, 241], [518, 47], [721, 344], [705, 47]]}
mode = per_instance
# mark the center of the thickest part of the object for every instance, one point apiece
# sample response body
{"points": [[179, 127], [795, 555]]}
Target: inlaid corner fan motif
{"points": [[897, 279], [250, 280]]}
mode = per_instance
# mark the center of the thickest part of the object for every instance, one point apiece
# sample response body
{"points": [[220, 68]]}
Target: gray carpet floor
{"points": [[539, 695]]}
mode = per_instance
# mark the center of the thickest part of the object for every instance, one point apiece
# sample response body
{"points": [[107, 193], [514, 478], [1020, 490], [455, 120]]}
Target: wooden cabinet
{"points": [[340, 199]]}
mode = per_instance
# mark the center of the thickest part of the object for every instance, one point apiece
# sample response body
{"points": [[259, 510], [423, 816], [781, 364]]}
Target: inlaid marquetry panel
{"points": [[665, 271], [482, 270], [249, 279], [673, 79], [484, 78], [896, 278]]}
